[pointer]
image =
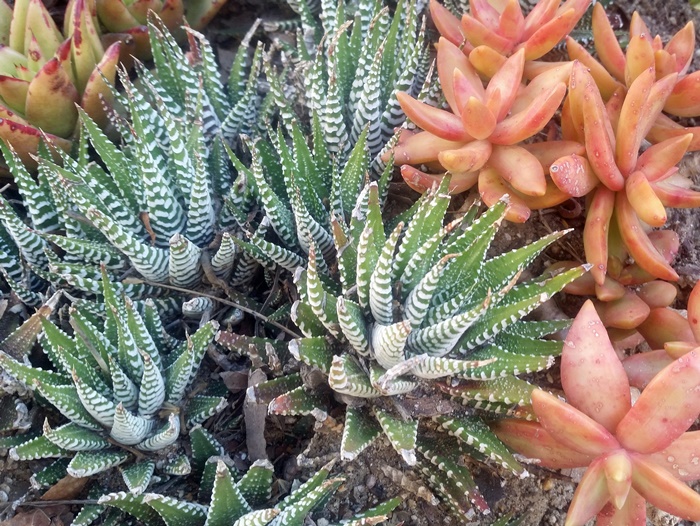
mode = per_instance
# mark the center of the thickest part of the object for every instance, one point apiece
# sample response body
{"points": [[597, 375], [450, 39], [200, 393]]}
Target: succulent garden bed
{"points": [[328, 263]]}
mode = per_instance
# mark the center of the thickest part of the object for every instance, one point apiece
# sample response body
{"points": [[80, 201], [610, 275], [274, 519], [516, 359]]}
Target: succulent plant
{"points": [[384, 318], [502, 26], [161, 185], [478, 142], [669, 335], [634, 453], [616, 68], [352, 109], [38, 65], [128, 20], [120, 380], [635, 187], [613, 72], [236, 498], [355, 75]]}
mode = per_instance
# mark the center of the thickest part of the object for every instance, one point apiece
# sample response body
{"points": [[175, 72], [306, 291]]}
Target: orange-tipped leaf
{"points": [[684, 100], [550, 34], [606, 44], [590, 496], [519, 168], [639, 57], [599, 146], [588, 359], [479, 35], [666, 409], [436, 121], [595, 232], [420, 148], [571, 427], [638, 243], [663, 490], [449, 59], [644, 200], [447, 24], [531, 440], [507, 82], [573, 174], [470, 157], [531, 120], [681, 457], [487, 61], [492, 189], [477, 119]]}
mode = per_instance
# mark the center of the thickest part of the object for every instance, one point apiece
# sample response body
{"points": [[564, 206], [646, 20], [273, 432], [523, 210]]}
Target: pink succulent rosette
{"points": [[634, 453]]}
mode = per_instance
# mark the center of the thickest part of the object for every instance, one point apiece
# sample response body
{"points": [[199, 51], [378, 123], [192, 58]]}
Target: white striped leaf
{"points": [[86, 463]]}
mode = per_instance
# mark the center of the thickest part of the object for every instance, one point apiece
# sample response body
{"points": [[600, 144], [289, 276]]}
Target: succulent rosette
{"points": [[478, 142], [629, 189], [634, 453], [44, 76], [128, 20], [615, 69], [502, 26]]}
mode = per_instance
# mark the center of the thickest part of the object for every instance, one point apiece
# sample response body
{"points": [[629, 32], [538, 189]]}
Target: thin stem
{"points": [[239, 305]]}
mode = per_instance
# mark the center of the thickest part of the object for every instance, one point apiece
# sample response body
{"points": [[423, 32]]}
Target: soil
{"points": [[378, 473]]}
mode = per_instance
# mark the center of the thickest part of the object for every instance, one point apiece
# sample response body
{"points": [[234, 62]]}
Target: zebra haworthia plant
{"points": [[121, 381], [152, 202], [387, 315], [236, 499], [363, 60]]}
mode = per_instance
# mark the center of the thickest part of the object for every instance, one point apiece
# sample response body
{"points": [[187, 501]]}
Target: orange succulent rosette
{"points": [[479, 141], [634, 453]]}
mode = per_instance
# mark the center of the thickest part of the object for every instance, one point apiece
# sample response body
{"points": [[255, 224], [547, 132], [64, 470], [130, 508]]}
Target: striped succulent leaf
{"points": [[152, 200], [234, 499], [359, 65], [119, 385], [427, 302]]}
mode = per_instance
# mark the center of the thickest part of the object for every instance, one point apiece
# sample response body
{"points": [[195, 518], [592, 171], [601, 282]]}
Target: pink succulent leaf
{"points": [[664, 325], [633, 513], [666, 409], [682, 458], [570, 426], [512, 22], [507, 82], [540, 14], [419, 148], [694, 311], [663, 490], [532, 441], [593, 378], [485, 13], [449, 59], [434, 120], [642, 367], [447, 24], [590, 496], [478, 34]]}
